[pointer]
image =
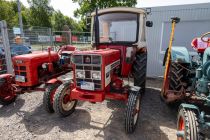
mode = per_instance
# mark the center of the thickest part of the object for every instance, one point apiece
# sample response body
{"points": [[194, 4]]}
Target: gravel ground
{"points": [[27, 119]]}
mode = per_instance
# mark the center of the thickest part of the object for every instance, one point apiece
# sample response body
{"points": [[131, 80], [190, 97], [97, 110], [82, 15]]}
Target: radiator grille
{"points": [[88, 64], [21, 70]]}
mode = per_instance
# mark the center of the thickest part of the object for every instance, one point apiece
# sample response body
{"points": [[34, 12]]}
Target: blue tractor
{"points": [[187, 83]]}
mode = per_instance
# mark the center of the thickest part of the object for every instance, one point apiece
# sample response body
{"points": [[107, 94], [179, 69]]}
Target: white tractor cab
{"points": [[120, 25]]}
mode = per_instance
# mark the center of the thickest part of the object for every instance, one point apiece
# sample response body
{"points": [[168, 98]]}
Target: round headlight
{"points": [[96, 75], [80, 74]]}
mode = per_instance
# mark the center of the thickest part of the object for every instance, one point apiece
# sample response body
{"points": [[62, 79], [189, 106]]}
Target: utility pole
{"points": [[20, 18]]}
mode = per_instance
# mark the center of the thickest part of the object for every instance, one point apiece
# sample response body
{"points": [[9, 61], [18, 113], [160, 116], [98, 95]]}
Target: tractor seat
{"points": [[199, 45]]}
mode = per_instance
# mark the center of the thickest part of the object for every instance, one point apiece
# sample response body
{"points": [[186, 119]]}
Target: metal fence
{"points": [[81, 40], [5, 54], [12, 43]]}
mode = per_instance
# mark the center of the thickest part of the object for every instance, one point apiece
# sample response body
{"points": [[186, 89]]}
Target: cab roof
{"points": [[119, 9]]}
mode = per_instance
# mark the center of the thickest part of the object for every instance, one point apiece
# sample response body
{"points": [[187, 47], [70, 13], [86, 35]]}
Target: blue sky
{"points": [[67, 6]]}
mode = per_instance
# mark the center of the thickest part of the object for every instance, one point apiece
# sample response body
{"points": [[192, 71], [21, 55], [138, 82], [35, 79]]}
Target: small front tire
{"points": [[62, 104], [187, 125], [49, 97], [132, 111]]}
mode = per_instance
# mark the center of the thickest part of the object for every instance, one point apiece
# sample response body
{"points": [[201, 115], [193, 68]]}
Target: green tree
{"points": [[40, 13], [87, 6], [58, 21]]}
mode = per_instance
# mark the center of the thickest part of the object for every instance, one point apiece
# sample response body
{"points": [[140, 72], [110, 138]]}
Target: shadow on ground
{"points": [[11, 109]]}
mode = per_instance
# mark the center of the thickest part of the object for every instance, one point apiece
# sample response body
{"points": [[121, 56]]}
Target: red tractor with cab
{"points": [[120, 54], [32, 70]]}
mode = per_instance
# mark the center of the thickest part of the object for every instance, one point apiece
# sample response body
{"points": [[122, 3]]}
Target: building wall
{"points": [[195, 20]]}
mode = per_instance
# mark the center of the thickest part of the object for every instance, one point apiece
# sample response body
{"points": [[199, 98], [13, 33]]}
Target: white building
{"points": [[195, 20]]}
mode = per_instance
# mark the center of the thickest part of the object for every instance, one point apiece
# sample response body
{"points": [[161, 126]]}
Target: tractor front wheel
{"points": [[6, 100], [49, 97], [63, 105], [187, 125], [132, 111]]}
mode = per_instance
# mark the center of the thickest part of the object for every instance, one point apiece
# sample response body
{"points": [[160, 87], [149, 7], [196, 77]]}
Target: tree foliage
{"points": [[87, 6], [59, 20], [40, 13]]}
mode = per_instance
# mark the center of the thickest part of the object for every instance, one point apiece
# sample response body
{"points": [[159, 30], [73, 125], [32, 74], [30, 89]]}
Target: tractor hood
{"points": [[37, 57]]}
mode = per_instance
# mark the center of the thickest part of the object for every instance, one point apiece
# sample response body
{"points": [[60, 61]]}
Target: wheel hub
{"points": [[136, 111], [67, 103]]}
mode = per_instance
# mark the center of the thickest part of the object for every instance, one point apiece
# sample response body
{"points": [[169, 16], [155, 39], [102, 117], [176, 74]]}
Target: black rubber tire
{"points": [[176, 77], [130, 123], [6, 102], [46, 98], [176, 82], [58, 99], [189, 117], [139, 71]]}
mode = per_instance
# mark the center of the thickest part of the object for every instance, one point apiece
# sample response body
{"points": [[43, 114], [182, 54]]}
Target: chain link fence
{"points": [[12, 43]]}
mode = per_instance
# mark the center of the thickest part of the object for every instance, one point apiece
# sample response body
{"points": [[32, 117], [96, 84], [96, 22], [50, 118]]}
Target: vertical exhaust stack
{"points": [[50, 65], [97, 41]]}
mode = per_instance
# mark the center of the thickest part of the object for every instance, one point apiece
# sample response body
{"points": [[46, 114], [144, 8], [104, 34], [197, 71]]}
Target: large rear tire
{"points": [[132, 112], [176, 77], [49, 97], [177, 81], [62, 104], [139, 70], [187, 125]]}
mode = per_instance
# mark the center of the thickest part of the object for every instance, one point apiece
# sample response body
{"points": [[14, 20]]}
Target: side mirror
{"points": [[149, 23]]}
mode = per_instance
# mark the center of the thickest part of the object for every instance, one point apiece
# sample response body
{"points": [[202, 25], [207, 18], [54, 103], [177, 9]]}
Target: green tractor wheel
{"points": [[187, 125], [62, 104]]}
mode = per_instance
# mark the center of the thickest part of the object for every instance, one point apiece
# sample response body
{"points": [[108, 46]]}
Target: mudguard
{"points": [[189, 106], [53, 81], [178, 54]]}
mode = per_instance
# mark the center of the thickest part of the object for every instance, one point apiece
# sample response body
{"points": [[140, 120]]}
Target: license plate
{"points": [[19, 78], [87, 85]]}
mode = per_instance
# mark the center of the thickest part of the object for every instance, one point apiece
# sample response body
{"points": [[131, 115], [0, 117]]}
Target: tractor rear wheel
{"points": [[49, 97], [176, 77], [132, 111], [187, 125], [139, 70], [62, 104], [176, 81]]}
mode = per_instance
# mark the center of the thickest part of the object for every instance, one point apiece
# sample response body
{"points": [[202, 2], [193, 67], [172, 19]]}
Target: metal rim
{"points": [[136, 111], [67, 104], [181, 127]]}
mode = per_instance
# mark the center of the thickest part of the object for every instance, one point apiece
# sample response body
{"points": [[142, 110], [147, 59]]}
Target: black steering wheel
{"points": [[204, 35]]}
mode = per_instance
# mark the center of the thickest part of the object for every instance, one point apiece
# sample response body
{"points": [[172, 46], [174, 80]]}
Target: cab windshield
{"points": [[118, 28]]}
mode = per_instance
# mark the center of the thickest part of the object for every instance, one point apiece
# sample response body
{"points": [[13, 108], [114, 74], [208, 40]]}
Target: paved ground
{"points": [[27, 119]]}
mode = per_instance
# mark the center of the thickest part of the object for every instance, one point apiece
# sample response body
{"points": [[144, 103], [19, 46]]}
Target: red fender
{"points": [[53, 81]]}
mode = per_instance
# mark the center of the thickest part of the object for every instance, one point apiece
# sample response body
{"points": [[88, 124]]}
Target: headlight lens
{"points": [[96, 75], [19, 61], [80, 74]]}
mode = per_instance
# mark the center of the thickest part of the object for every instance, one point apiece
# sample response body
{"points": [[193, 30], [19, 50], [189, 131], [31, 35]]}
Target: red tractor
{"points": [[32, 70], [120, 54]]}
